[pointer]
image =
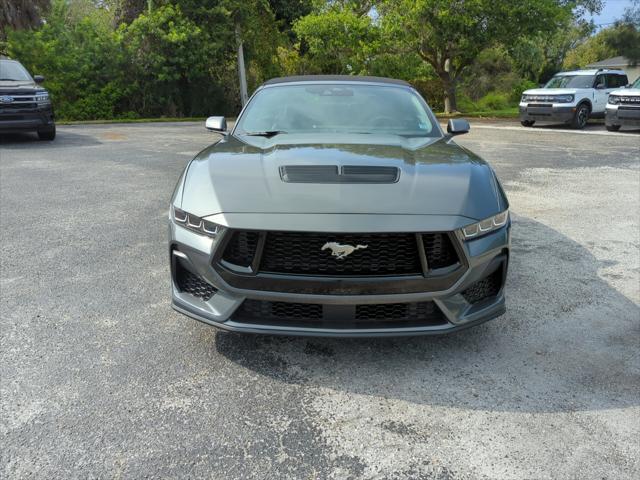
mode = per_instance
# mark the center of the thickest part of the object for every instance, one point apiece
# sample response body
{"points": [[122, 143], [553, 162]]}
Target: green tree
{"points": [[591, 50], [78, 53], [624, 38], [338, 40], [450, 34]]}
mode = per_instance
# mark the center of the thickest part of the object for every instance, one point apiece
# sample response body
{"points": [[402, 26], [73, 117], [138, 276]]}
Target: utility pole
{"points": [[244, 97]]}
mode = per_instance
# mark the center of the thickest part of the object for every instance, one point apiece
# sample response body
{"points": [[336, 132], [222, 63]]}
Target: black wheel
{"points": [[581, 117], [527, 123], [613, 128], [48, 134]]}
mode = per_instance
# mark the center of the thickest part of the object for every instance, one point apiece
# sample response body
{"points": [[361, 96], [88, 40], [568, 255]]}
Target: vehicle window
{"points": [[338, 107], [616, 81], [10, 70], [600, 80], [570, 81]]}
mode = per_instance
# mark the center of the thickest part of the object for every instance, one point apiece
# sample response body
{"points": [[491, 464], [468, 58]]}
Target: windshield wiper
{"points": [[10, 80], [267, 133]]}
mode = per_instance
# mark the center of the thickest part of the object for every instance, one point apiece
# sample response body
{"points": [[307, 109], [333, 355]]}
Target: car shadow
{"points": [[29, 140], [568, 342], [591, 127]]}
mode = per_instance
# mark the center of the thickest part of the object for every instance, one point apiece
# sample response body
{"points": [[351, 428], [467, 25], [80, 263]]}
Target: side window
{"points": [[616, 81], [600, 80]]}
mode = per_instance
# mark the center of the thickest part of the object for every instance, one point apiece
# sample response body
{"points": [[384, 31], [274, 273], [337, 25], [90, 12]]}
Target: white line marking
{"points": [[553, 130]]}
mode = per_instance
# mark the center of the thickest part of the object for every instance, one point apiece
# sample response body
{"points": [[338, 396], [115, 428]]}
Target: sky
{"points": [[612, 11]]}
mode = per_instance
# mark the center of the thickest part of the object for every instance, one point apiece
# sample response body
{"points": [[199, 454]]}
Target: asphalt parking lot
{"points": [[100, 378]]}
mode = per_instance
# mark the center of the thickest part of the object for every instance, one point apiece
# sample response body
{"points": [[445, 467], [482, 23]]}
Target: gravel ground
{"points": [[101, 379]]}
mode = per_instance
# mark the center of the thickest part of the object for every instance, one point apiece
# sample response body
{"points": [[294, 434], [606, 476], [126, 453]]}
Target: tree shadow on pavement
{"points": [[568, 342]]}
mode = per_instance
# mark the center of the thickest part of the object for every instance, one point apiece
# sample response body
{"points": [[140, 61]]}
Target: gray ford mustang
{"points": [[338, 207]]}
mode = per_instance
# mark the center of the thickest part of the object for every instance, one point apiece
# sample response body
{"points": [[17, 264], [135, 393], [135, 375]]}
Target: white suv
{"points": [[571, 97], [623, 108]]}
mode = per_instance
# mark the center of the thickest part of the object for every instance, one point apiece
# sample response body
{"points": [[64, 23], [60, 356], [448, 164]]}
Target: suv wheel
{"points": [[613, 128], [48, 134], [527, 123], [581, 116]]}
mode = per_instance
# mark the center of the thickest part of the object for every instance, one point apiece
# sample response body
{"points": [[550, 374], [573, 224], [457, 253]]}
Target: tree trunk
{"points": [[449, 84], [450, 104]]}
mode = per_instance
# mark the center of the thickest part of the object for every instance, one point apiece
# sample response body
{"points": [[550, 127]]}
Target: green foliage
{"points": [[593, 49], [451, 35], [624, 38], [494, 101], [166, 55], [79, 57], [122, 59], [338, 41]]}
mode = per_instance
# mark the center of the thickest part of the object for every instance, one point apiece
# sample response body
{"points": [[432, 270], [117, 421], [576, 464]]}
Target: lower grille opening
{"points": [[486, 288], [192, 284], [419, 313], [312, 315]]}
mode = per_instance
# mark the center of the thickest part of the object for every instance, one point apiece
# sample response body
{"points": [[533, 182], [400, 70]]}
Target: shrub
{"points": [[494, 101], [518, 88]]}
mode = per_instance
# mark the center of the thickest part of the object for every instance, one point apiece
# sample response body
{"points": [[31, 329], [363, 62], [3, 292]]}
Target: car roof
{"points": [[336, 78], [592, 71]]}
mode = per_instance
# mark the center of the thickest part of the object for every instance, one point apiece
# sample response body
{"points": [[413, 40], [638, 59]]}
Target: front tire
{"points": [[48, 134], [527, 123], [581, 116], [613, 128]]}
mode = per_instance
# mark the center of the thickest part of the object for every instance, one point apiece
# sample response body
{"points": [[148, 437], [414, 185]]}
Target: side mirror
{"points": [[457, 126], [216, 124], [38, 78], [600, 86]]}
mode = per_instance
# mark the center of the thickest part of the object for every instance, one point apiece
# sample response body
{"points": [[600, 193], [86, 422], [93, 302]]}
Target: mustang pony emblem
{"points": [[341, 251]]}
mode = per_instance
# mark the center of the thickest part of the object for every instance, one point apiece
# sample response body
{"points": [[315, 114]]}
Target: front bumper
{"points": [[546, 112], [25, 120], [483, 257], [622, 115]]}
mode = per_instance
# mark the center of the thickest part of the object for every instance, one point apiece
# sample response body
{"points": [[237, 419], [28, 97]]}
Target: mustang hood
{"points": [[436, 177]]}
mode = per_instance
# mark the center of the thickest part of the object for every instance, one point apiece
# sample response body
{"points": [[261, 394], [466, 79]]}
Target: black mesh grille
{"points": [[423, 312], [302, 253], [241, 248], [263, 311], [485, 288], [439, 250], [397, 315], [194, 285]]}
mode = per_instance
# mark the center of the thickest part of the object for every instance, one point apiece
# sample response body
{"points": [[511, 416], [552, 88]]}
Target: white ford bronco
{"points": [[571, 97], [623, 108]]}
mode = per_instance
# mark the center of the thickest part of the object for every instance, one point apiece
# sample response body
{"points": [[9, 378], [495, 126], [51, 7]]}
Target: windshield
{"points": [[10, 70], [636, 84], [571, 81], [338, 108]]}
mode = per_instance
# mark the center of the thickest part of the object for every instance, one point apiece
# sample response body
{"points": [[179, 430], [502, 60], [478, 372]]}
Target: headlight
{"points": [[613, 99], [563, 98], [524, 98], [485, 226], [42, 98], [196, 224]]}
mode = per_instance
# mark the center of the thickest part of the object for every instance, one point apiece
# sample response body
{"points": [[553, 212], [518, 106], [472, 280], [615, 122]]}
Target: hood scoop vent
{"points": [[336, 174]]}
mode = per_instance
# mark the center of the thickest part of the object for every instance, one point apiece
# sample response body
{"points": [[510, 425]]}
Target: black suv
{"points": [[24, 104]]}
